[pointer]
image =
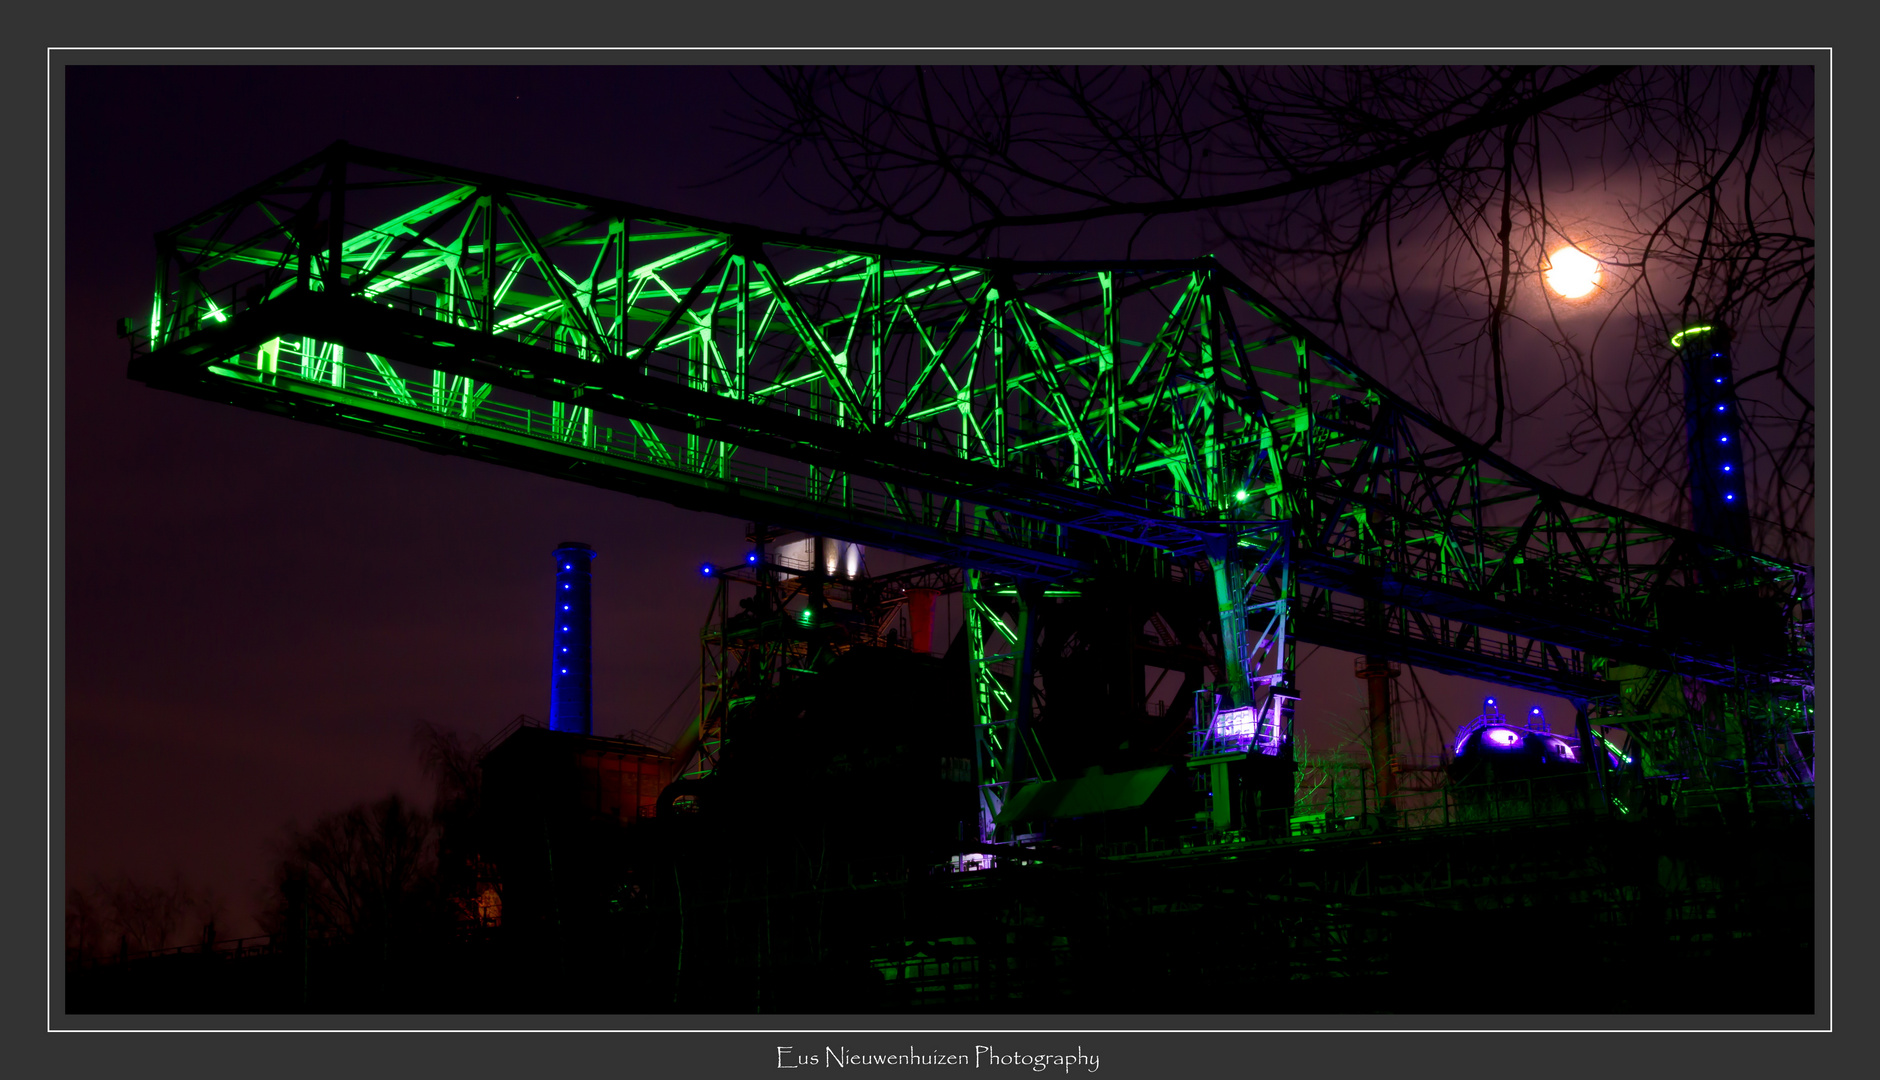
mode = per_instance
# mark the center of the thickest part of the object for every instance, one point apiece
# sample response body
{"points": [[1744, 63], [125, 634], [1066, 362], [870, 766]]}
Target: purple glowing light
{"points": [[1502, 736], [1238, 723]]}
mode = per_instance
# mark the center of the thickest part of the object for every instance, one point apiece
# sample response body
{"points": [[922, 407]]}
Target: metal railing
{"points": [[1499, 804], [522, 720], [1464, 637], [790, 394], [342, 377]]}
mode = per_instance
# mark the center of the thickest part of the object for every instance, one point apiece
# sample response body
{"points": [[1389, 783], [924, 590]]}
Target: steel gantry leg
{"points": [[1253, 712], [992, 704], [1000, 662], [1254, 586], [1230, 590]]}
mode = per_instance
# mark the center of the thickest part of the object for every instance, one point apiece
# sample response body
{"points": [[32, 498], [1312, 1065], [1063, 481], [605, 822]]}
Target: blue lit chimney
{"points": [[571, 677], [1713, 427]]}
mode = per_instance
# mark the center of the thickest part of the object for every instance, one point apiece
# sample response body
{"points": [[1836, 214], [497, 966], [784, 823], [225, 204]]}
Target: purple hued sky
{"points": [[259, 612]]}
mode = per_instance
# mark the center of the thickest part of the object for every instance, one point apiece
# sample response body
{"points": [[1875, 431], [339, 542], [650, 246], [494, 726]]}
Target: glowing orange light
{"points": [[1572, 273]]}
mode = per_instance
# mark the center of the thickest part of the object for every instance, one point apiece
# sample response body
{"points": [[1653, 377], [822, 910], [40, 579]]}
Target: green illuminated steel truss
{"points": [[1021, 419]]}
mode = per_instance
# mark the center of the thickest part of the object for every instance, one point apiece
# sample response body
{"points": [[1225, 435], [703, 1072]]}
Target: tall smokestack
{"points": [[1713, 427], [571, 677]]}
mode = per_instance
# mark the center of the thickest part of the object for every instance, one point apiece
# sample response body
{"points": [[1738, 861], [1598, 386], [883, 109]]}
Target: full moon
{"points": [[1572, 273]]}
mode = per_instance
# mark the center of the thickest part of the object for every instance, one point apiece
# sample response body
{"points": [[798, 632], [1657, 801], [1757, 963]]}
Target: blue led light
{"points": [[564, 628], [564, 607], [564, 671], [1721, 407], [1720, 380], [564, 648], [1716, 356], [751, 558], [705, 570], [567, 568], [1723, 438], [1726, 468], [1729, 496]]}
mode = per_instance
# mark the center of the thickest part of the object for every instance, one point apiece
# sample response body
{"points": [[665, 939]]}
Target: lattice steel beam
{"points": [[996, 414]]}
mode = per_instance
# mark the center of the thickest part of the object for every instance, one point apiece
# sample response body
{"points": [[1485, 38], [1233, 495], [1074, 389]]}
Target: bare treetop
{"points": [[1409, 213]]}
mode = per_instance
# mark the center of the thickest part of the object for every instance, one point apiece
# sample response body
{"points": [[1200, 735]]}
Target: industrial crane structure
{"points": [[1078, 439], [1031, 422]]}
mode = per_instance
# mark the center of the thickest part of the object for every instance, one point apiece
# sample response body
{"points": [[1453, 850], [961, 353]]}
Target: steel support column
{"points": [[1230, 591], [990, 700], [1377, 672]]}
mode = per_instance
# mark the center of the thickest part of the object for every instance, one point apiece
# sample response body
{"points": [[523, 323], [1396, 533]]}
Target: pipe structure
{"points": [[571, 671], [1377, 673], [920, 620]]}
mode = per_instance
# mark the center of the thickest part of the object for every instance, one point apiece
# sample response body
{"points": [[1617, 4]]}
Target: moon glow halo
{"points": [[1572, 273]]}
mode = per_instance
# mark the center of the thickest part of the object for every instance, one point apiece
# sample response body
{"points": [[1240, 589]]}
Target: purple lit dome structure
{"points": [[1494, 739]]}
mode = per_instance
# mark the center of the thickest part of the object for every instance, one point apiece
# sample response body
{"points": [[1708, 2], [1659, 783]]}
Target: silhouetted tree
{"points": [[144, 915], [464, 877], [85, 929], [1403, 212], [130, 915], [367, 871]]}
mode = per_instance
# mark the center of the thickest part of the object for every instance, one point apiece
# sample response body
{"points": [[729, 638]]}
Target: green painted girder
{"points": [[997, 408]]}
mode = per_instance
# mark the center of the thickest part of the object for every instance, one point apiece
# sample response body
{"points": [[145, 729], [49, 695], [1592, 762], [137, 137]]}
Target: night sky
{"points": [[259, 612]]}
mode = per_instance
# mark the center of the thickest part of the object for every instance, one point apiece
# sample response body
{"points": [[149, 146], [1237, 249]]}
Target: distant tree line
{"points": [[374, 872], [384, 870], [123, 914]]}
